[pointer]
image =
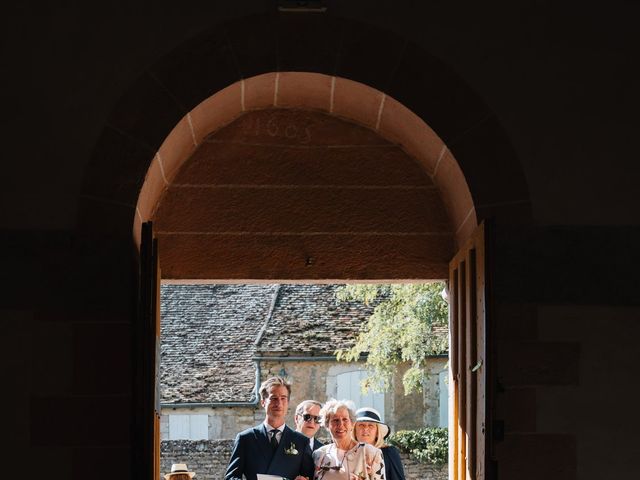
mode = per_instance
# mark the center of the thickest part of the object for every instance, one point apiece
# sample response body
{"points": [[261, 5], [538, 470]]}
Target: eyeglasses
{"points": [[308, 417]]}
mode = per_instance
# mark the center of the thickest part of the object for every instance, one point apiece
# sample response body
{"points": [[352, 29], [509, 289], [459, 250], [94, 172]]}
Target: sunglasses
{"points": [[307, 417]]}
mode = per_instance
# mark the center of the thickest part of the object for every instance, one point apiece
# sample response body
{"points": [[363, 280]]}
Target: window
{"points": [[443, 384], [188, 427], [348, 386]]}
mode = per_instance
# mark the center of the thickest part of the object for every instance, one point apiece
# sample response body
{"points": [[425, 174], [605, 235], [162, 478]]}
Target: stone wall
{"points": [[317, 380], [209, 458], [421, 471]]}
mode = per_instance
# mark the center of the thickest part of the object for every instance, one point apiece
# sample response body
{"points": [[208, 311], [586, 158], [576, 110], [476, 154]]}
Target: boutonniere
{"points": [[291, 450]]}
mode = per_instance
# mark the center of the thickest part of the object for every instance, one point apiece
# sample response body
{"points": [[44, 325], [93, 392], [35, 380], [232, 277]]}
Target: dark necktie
{"points": [[274, 439]]}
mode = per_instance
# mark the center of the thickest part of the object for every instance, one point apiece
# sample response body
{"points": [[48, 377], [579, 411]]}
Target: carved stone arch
{"points": [[365, 145]]}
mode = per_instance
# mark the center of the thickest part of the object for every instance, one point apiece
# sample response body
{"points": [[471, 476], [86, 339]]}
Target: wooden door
{"points": [[468, 359], [146, 438]]}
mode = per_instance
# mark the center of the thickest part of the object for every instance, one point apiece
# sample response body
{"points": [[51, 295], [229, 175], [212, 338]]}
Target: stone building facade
{"points": [[220, 341]]}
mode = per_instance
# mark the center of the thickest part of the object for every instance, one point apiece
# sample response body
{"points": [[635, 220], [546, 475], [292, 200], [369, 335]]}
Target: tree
{"points": [[401, 329]]}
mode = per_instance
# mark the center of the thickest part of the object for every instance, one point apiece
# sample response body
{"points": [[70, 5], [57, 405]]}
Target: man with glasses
{"points": [[271, 448], [307, 420]]}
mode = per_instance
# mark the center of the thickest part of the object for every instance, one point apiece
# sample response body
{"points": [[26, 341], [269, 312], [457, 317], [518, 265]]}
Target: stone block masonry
{"points": [[413, 470], [209, 458]]}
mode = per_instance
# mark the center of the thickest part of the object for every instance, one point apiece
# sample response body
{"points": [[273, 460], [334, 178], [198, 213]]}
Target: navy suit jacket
{"points": [[392, 463], [316, 444], [252, 454]]}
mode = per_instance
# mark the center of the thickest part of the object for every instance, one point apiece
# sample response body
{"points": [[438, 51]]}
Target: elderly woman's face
{"points": [[366, 432], [340, 424]]}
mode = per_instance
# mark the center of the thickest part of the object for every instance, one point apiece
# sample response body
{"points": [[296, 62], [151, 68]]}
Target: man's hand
{"points": [[300, 477]]}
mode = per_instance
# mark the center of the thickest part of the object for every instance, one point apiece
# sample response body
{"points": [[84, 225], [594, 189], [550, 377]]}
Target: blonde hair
{"points": [[270, 382], [379, 443], [180, 476]]}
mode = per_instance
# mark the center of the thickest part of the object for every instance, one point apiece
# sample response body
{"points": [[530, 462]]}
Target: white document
{"points": [[262, 476]]}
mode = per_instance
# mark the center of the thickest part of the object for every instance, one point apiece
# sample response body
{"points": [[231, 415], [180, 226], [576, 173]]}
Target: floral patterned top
{"points": [[361, 462]]}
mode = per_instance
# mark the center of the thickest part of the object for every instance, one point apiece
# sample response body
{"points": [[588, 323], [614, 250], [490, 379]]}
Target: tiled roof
{"points": [[208, 334], [309, 320], [211, 333]]}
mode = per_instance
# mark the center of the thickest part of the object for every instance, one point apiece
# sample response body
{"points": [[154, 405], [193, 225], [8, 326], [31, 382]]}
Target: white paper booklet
{"points": [[262, 476]]}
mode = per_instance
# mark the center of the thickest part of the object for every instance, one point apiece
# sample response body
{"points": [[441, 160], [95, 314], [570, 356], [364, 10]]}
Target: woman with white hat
{"points": [[179, 471], [369, 428]]}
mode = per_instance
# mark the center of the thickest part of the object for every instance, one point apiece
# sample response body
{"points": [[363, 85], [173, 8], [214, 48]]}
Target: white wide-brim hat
{"points": [[368, 414], [179, 468]]}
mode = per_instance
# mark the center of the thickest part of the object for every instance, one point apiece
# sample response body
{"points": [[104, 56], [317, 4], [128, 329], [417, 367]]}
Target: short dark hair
{"points": [[270, 382]]}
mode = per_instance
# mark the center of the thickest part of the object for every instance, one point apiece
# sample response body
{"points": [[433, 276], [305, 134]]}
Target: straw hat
{"points": [[177, 469]]}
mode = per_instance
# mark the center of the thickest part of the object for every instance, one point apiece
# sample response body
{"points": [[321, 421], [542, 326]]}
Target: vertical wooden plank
{"points": [[453, 319], [146, 457], [467, 359], [156, 444], [481, 345], [470, 376], [453, 371], [155, 329], [456, 433], [461, 374]]}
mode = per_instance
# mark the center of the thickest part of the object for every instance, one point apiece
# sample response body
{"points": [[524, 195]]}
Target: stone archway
{"points": [[293, 174]]}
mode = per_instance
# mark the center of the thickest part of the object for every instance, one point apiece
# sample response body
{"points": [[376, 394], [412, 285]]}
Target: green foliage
{"points": [[399, 330], [426, 445]]}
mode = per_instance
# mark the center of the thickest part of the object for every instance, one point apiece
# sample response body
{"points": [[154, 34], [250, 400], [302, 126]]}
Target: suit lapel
{"points": [[262, 440], [285, 439]]}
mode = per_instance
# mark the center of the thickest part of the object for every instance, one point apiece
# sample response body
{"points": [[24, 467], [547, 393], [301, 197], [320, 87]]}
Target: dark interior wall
{"points": [[565, 318], [66, 313], [560, 80], [598, 408], [561, 83]]}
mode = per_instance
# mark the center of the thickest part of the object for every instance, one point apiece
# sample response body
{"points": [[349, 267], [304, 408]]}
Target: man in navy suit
{"points": [[271, 448], [307, 420]]}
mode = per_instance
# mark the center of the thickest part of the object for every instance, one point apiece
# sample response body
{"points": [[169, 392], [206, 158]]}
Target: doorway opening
{"points": [[220, 341], [285, 190]]}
